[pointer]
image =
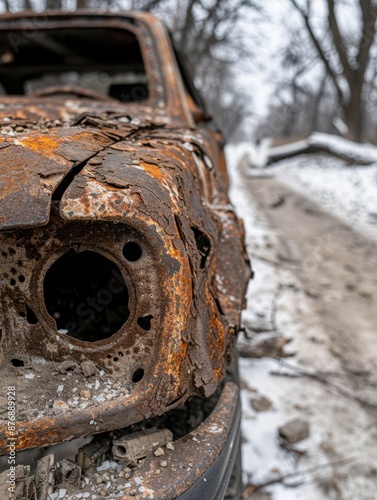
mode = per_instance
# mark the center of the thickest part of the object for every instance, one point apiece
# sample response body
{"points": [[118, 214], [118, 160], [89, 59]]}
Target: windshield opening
{"points": [[107, 61]]}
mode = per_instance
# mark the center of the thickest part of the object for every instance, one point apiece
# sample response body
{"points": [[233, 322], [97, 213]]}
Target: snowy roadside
{"points": [[349, 192], [339, 428]]}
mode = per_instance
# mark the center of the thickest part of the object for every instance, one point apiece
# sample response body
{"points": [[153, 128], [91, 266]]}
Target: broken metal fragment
{"points": [[93, 453], [15, 483], [131, 447], [68, 475], [45, 476]]}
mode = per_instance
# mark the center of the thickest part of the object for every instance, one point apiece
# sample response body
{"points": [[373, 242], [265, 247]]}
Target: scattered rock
{"points": [[88, 368], [86, 394], [60, 406], [277, 202], [295, 430], [366, 292], [164, 463], [272, 347], [67, 366], [261, 404], [312, 292], [327, 447], [245, 385], [170, 446], [261, 325], [159, 452]]}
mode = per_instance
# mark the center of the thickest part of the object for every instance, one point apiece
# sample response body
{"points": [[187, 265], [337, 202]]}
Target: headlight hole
{"points": [[86, 295]]}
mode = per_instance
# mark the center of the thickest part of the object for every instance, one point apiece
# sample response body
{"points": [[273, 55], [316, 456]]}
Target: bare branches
{"points": [[325, 379], [321, 53], [369, 16], [206, 32], [296, 478], [353, 57], [338, 41], [149, 5]]}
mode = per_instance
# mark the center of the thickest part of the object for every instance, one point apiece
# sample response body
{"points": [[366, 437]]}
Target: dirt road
{"points": [[319, 277], [337, 268]]}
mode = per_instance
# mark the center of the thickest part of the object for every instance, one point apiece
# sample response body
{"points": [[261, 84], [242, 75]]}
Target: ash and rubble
{"points": [[46, 387], [92, 467]]}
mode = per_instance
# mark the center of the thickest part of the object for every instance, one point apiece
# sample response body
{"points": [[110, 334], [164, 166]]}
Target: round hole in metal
{"points": [[132, 251], [86, 295], [145, 322], [138, 376]]}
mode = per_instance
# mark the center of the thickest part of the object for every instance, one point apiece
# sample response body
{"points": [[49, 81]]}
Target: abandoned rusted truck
{"points": [[123, 269]]}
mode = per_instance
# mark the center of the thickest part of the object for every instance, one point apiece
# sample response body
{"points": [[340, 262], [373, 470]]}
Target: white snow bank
{"points": [[349, 193], [338, 146], [264, 153]]}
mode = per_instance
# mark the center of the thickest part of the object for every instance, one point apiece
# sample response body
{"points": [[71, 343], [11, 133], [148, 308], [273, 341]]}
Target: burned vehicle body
{"points": [[123, 270]]}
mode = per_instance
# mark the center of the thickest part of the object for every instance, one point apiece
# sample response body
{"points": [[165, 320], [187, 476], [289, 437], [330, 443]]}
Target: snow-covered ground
{"points": [[339, 428], [349, 192]]}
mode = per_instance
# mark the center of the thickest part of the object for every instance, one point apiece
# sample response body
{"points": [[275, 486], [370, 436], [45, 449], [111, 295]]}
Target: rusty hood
{"points": [[43, 146]]}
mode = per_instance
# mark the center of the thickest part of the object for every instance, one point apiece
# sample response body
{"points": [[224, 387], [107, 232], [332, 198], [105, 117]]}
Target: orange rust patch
{"points": [[218, 331], [90, 136], [154, 171], [176, 359], [41, 144]]}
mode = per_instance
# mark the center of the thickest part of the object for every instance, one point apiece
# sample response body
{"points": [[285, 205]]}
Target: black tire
{"points": [[235, 488]]}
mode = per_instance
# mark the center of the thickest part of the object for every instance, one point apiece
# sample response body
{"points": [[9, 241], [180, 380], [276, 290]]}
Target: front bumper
{"points": [[201, 463], [214, 482]]}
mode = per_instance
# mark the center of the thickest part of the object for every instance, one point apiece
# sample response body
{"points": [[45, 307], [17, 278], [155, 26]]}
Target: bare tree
{"points": [[206, 32], [351, 61]]}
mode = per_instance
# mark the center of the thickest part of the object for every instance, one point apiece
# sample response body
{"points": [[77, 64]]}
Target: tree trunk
{"points": [[353, 113]]}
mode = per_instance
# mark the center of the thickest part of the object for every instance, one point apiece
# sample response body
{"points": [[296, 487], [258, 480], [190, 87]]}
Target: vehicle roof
{"points": [[159, 56]]}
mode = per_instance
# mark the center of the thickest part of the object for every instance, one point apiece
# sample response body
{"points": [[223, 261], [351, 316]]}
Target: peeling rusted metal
{"points": [[93, 176]]}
